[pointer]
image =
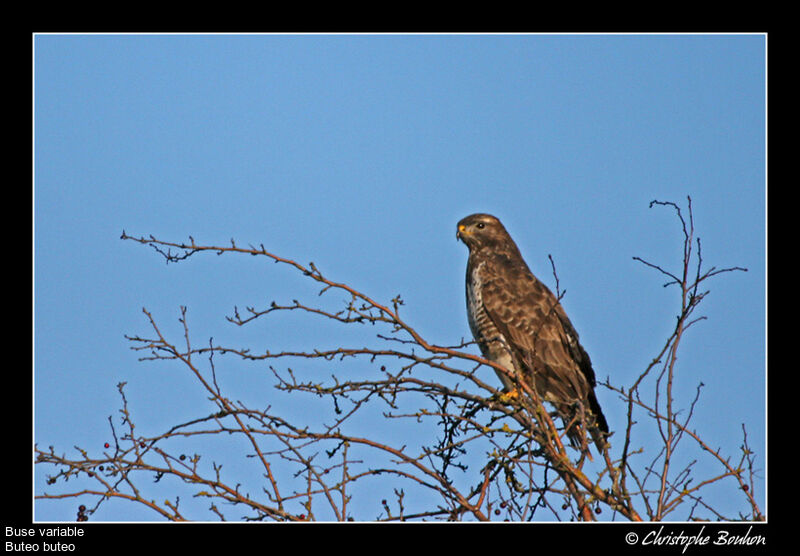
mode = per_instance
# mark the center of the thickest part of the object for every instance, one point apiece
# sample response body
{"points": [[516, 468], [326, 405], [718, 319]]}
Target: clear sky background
{"points": [[360, 153]]}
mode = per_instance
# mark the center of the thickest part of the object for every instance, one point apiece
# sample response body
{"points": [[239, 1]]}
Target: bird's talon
{"points": [[508, 396]]}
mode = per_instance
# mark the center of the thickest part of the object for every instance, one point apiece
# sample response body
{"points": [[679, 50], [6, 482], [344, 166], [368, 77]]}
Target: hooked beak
{"points": [[462, 231]]}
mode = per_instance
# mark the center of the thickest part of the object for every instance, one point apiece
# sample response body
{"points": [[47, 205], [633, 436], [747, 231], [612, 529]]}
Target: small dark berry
{"points": [[183, 457], [598, 510], [106, 445], [745, 488], [497, 512], [81, 508], [101, 468]]}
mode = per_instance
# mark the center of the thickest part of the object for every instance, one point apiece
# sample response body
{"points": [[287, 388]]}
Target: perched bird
{"points": [[518, 323]]}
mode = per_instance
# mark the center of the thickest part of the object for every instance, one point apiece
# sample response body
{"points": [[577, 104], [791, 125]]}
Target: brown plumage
{"points": [[519, 323]]}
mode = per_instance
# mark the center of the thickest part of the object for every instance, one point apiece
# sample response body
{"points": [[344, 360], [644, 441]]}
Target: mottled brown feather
{"points": [[518, 322]]}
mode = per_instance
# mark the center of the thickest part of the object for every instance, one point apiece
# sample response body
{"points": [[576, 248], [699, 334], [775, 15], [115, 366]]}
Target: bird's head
{"points": [[481, 230]]}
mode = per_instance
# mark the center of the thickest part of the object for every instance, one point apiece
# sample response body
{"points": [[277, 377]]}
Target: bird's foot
{"points": [[506, 397]]}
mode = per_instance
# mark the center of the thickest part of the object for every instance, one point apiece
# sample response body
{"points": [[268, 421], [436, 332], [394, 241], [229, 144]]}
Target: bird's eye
{"points": [[481, 225]]}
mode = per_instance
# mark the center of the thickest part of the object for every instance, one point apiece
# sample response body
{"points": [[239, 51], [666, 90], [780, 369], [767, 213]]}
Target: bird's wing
{"points": [[532, 321]]}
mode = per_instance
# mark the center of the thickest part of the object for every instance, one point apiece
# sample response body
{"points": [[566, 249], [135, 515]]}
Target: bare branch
{"points": [[318, 458]]}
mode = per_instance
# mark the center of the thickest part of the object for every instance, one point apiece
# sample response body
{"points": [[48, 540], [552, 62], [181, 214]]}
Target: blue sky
{"points": [[360, 153]]}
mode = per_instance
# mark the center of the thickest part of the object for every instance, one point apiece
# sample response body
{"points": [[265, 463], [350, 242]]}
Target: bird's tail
{"points": [[600, 429], [595, 422]]}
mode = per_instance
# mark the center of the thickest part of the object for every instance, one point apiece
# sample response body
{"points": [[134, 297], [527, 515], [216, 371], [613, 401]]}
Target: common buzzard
{"points": [[519, 324]]}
